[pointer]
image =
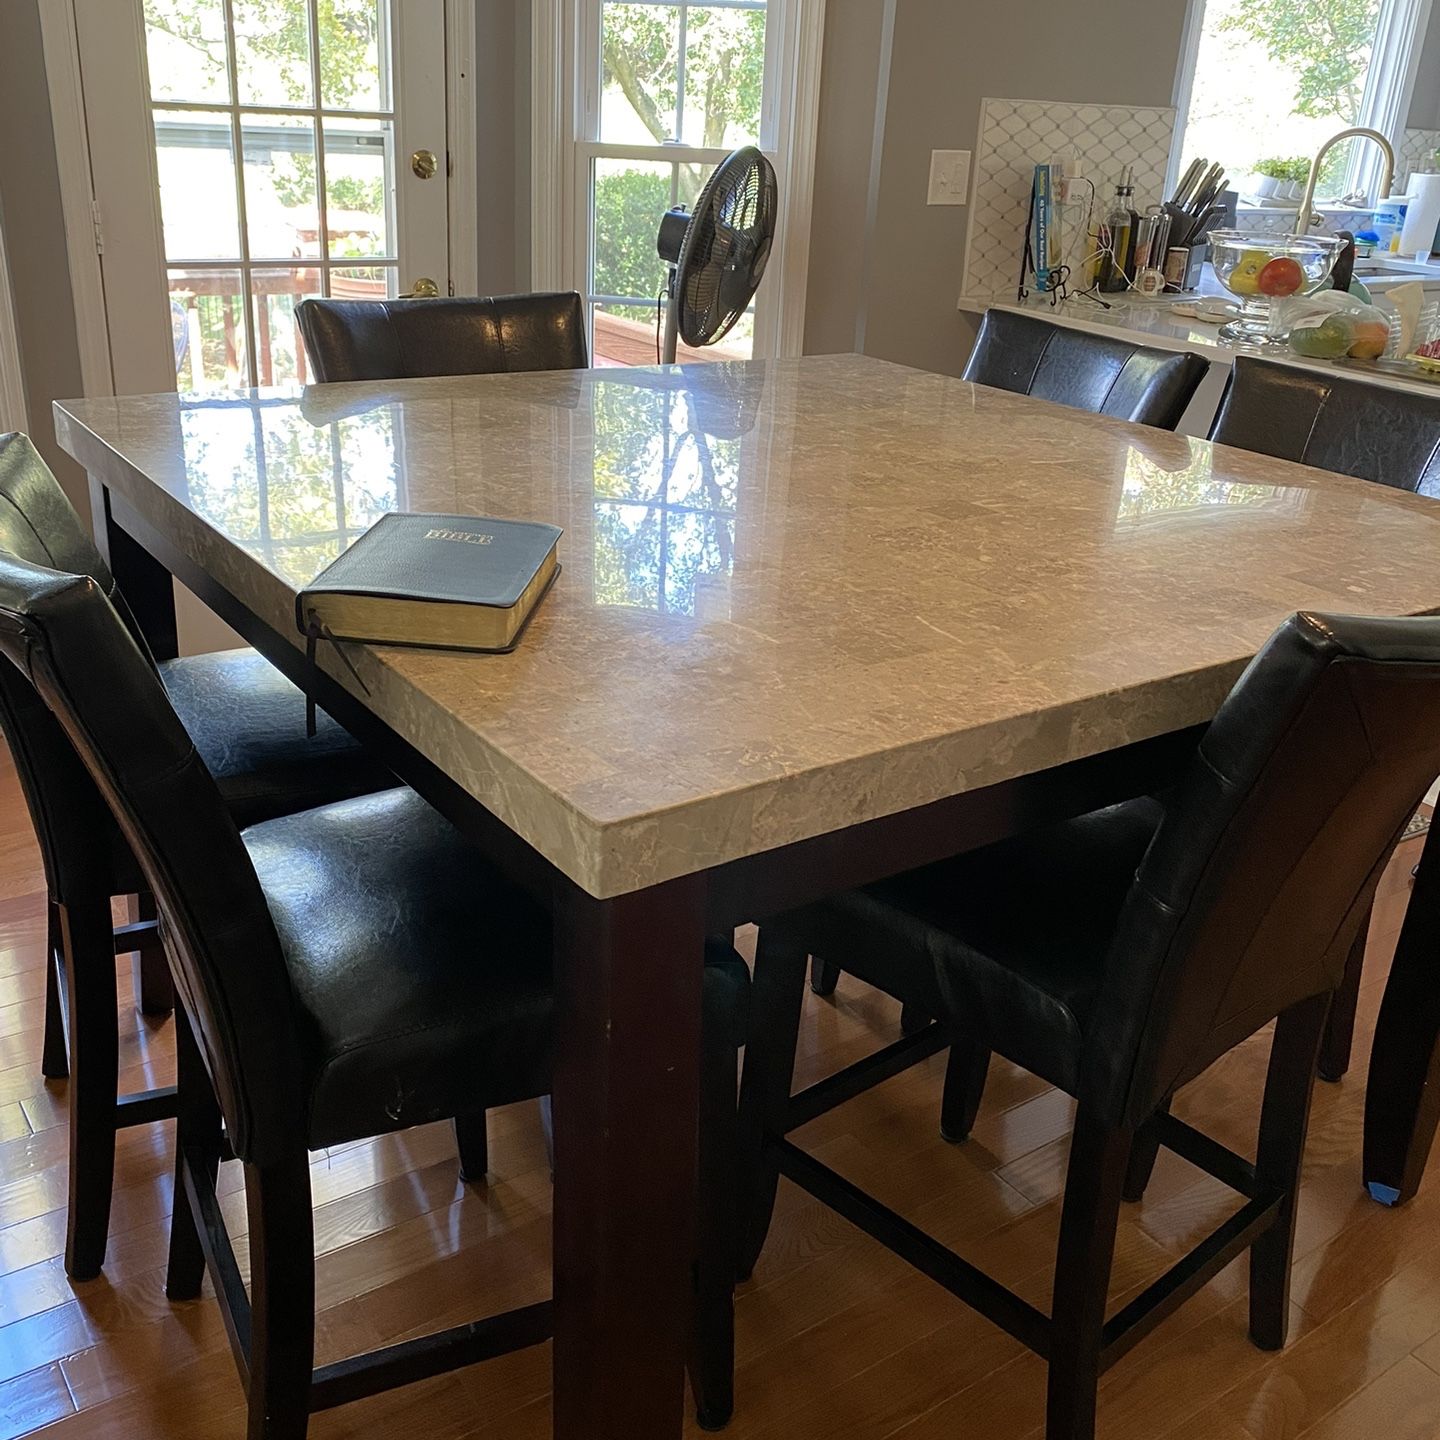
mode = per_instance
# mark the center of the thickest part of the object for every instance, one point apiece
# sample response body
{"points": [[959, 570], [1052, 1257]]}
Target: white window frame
{"points": [[565, 130], [1389, 87]]}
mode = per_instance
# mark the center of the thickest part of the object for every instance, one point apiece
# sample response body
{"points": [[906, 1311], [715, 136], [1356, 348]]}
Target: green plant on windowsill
{"points": [[1273, 169]]}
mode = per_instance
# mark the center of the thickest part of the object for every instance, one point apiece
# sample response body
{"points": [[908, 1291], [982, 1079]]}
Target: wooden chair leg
{"points": [[712, 1351], [54, 1055], [965, 1073], [1340, 1024], [1143, 1155], [775, 1001], [1284, 1119], [1099, 1155], [282, 1298], [824, 977], [472, 1140], [198, 1141], [89, 958], [154, 989]]}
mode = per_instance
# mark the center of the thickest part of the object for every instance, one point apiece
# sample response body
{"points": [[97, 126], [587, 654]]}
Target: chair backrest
{"points": [[411, 339], [61, 632], [1099, 373], [1334, 423], [83, 850], [1267, 860]]}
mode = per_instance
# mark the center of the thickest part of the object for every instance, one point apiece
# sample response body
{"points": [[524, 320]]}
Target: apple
{"points": [[1282, 276]]}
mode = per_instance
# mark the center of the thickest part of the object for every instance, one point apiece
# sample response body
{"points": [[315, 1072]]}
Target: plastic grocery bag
{"points": [[1332, 323]]}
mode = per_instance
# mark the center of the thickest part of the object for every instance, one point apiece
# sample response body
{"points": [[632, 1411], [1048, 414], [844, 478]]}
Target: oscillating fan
{"points": [[717, 256]]}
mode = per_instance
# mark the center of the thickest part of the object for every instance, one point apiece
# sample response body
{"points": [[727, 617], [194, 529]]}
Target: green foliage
{"points": [[1329, 39], [1273, 169], [628, 207]]}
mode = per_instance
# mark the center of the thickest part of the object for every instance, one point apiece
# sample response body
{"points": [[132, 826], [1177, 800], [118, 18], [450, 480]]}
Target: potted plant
{"points": [[1297, 172], [1267, 178]]}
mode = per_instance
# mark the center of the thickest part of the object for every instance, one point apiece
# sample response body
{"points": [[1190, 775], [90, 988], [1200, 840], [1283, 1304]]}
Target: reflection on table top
{"points": [[796, 595]]}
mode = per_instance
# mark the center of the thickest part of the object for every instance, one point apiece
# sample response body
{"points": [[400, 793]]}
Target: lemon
{"points": [[1244, 279]]}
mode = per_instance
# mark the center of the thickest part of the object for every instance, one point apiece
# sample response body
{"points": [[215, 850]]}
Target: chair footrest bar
{"points": [[414, 1360], [220, 1260], [962, 1279], [1136, 1320], [1209, 1155], [141, 935], [865, 1074], [144, 1107]]}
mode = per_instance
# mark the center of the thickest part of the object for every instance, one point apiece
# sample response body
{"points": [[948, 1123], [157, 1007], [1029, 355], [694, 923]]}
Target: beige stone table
{"points": [[819, 620]]}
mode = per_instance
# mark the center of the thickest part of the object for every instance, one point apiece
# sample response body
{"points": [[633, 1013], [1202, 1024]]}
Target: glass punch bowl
{"points": [[1262, 271]]}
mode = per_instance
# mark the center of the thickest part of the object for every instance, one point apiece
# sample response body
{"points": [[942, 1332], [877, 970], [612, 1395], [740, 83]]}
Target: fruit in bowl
{"points": [[1262, 269]]}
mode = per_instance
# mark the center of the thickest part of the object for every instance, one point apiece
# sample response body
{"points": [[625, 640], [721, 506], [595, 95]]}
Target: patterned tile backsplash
{"points": [[1415, 151], [1016, 135]]}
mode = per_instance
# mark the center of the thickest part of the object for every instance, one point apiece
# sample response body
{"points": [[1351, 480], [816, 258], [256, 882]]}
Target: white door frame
{"points": [[12, 382], [558, 246], [83, 238]]}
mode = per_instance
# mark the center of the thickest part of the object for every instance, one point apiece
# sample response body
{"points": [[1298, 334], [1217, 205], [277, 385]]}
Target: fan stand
{"points": [[671, 346]]}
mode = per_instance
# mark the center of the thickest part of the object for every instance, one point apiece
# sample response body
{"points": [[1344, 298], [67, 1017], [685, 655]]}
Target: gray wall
{"points": [[502, 130], [1425, 107], [947, 58], [35, 237]]}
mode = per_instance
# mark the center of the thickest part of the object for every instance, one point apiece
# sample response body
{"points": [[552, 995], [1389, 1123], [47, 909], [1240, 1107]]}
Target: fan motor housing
{"points": [[673, 225]]}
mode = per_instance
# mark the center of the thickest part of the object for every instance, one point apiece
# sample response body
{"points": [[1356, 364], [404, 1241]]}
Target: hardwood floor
{"points": [[837, 1339]]}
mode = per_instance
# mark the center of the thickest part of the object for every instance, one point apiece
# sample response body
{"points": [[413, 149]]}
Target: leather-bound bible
{"points": [[452, 582]]}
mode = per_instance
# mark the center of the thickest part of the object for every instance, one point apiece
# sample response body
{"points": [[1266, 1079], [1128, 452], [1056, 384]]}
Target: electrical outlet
{"points": [[949, 177]]}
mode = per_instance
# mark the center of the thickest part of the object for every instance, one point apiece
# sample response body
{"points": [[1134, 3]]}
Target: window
{"points": [[1270, 80], [670, 89]]}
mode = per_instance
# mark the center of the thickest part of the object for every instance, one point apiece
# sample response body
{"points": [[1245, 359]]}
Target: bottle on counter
{"points": [[1117, 265]]}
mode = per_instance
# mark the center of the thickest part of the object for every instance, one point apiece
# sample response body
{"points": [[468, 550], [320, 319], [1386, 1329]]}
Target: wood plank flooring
{"points": [[837, 1339]]}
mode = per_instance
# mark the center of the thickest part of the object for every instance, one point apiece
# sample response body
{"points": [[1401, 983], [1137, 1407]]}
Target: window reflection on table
{"points": [[1163, 490]]}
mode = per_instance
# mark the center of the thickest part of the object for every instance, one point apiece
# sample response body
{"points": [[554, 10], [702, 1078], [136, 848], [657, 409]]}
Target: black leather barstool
{"points": [[248, 725], [1104, 375], [411, 339], [332, 985], [1119, 954], [1354, 428]]}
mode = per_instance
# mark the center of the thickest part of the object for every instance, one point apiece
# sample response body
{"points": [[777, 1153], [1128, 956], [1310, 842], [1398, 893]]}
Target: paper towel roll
{"points": [[1423, 216]]}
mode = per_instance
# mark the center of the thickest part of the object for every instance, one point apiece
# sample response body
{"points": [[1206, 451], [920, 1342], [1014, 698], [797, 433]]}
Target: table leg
{"points": [[628, 983], [1402, 1096], [146, 584]]}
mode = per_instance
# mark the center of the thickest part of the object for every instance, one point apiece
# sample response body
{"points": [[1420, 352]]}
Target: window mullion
{"points": [[322, 238], [237, 140], [681, 39]]}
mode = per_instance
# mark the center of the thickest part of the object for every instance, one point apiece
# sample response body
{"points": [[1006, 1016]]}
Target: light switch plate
{"points": [[949, 177]]}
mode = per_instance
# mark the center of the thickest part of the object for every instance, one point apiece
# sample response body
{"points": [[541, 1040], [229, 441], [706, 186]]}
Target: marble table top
{"points": [[797, 595]]}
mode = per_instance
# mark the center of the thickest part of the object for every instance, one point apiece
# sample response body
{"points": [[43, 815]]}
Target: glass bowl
{"points": [[1260, 269]]}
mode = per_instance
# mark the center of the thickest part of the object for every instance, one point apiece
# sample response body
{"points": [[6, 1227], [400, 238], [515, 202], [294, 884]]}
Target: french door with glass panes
{"points": [[288, 148], [666, 90]]}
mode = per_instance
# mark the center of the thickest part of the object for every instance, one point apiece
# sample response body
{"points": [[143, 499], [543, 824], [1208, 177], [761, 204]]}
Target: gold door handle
{"points": [[425, 164], [423, 289]]}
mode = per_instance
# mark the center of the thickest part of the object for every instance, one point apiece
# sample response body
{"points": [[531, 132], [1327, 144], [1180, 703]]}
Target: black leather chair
{"points": [[1106, 376], [410, 339], [332, 985], [248, 724], [1352, 428], [1119, 954]]}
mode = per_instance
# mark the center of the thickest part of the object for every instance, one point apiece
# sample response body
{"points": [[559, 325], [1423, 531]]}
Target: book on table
{"points": [[454, 582]]}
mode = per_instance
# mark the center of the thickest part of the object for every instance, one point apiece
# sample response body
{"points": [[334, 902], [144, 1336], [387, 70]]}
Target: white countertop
{"points": [[1154, 322]]}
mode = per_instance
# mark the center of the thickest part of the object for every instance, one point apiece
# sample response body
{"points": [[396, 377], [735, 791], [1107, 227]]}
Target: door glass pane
{"points": [[279, 353], [365, 282], [196, 159], [355, 54], [282, 211], [272, 52], [639, 48], [630, 198], [207, 315], [724, 76], [185, 51], [359, 186]]}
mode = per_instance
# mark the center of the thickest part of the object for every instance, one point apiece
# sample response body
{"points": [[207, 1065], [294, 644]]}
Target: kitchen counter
{"points": [[1154, 322]]}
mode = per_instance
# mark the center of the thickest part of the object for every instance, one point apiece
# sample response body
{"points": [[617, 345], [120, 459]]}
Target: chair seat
{"points": [[248, 723], [422, 980], [1016, 934]]}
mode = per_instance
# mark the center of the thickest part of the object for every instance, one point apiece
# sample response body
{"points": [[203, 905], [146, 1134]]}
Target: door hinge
{"points": [[99, 230]]}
